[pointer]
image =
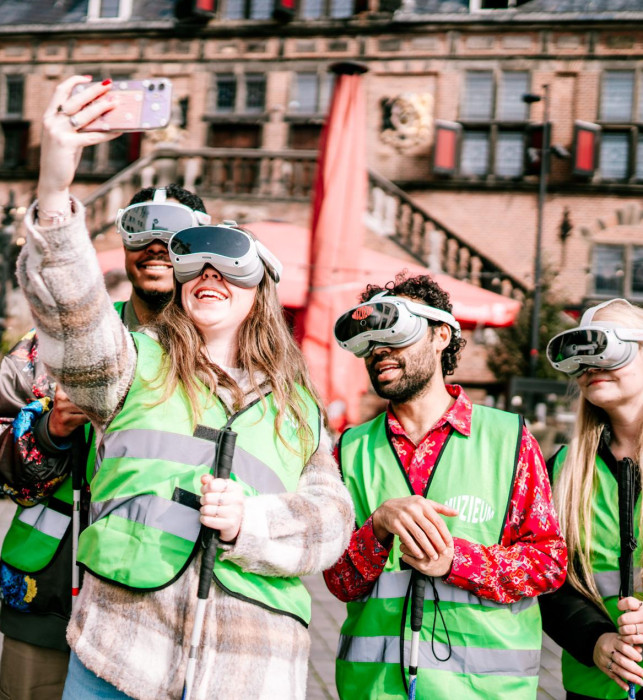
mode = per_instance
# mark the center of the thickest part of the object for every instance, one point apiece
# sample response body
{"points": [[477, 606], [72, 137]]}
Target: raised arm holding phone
{"points": [[220, 354], [38, 454]]}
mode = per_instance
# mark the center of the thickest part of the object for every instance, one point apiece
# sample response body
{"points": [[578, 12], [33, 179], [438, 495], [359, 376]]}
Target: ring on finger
{"points": [[73, 120], [610, 664], [61, 110]]}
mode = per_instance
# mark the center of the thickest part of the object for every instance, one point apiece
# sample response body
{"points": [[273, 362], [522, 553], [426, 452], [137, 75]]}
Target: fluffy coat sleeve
{"points": [[295, 534], [82, 340]]}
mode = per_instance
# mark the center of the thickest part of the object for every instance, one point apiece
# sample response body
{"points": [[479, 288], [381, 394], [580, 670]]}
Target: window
{"points": [[255, 92], [226, 92], [310, 93], [16, 137], [248, 9], [242, 94], [317, 9], [494, 118], [15, 130], [618, 270], [15, 85], [477, 5], [621, 119], [109, 9], [304, 136]]}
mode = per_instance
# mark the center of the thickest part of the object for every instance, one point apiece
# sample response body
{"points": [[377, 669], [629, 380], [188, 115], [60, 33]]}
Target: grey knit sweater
{"points": [[139, 641]]}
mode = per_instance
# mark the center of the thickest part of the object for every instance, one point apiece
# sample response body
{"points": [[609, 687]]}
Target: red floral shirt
{"points": [[531, 558]]}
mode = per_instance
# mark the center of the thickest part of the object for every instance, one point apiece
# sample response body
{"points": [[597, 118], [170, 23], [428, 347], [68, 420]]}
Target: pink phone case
{"points": [[142, 105]]}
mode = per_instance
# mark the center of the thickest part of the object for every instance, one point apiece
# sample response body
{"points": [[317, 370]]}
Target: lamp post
{"points": [[542, 191]]}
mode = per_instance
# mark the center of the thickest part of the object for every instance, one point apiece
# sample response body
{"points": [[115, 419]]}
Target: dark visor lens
{"points": [[577, 343], [217, 240], [155, 217], [371, 317]]}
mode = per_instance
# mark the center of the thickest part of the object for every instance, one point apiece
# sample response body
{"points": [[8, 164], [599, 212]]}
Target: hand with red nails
{"points": [[63, 142]]}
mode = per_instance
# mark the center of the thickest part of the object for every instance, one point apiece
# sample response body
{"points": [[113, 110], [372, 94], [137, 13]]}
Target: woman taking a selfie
{"points": [[601, 635], [219, 357]]}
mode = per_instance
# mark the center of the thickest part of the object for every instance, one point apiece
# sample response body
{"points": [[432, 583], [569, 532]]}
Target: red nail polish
{"points": [[107, 81]]}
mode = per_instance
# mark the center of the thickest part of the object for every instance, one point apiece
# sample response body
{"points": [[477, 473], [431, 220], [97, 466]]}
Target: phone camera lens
{"points": [[162, 86], [151, 87]]}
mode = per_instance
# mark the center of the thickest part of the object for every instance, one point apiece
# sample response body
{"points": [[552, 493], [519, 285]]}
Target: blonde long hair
{"points": [[577, 480], [265, 348]]}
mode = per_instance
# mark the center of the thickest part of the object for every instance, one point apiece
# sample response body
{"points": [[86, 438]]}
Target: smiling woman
{"points": [[599, 630], [218, 359]]}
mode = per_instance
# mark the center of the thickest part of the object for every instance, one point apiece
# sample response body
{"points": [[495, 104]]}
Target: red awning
{"points": [[472, 305]]}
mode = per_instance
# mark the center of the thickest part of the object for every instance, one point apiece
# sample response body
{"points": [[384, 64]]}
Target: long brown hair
{"points": [[265, 349], [577, 481]]}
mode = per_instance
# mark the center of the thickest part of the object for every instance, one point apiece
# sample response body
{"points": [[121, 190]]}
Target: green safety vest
{"points": [[145, 526], [495, 648], [36, 533], [605, 550]]}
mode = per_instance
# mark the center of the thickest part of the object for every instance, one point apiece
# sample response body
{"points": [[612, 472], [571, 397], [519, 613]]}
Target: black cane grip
{"points": [[226, 454], [207, 564], [78, 458], [417, 602]]}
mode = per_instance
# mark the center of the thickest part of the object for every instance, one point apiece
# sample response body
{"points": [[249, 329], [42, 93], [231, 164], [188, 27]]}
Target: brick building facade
{"points": [[243, 80]]}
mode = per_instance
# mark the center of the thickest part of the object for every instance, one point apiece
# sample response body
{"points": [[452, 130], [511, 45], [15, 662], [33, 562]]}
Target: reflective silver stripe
{"points": [[469, 660], [609, 582], [45, 520], [156, 444], [255, 473], [153, 511], [393, 584], [185, 449]]}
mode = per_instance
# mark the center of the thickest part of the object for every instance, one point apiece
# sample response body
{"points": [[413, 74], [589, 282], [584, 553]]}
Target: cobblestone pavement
{"points": [[328, 614]]}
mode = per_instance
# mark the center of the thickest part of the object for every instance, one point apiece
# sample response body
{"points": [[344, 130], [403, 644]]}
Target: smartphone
{"points": [[141, 105]]}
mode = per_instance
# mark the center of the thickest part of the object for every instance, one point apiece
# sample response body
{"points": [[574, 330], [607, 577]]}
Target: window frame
{"points": [[241, 110], [494, 125], [631, 127], [94, 11], [324, 83], [8, 79], [627, 272]]}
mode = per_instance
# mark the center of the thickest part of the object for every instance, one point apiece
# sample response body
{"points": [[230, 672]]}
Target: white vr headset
{"points": [[389, 321], [600, 344]]}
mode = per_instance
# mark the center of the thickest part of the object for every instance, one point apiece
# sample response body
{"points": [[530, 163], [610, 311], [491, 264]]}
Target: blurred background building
{"points": [[454, 148]]}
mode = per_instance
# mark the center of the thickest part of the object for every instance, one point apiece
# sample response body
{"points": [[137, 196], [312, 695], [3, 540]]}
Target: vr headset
{"points": [[387, 321], [140, 224], [600, 344], [235, 253]]}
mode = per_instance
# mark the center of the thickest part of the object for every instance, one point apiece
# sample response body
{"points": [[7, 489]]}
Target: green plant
{"points": [[510, 354]]}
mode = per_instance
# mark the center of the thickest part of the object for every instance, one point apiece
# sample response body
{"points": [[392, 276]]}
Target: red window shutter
{"points": [[284, 10], [445, 147], [195, 10], [207, 7], [584, 159]]}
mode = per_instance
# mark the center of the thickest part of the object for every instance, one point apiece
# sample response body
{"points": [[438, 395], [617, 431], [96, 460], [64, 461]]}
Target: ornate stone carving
{"points": [[407, 120]]}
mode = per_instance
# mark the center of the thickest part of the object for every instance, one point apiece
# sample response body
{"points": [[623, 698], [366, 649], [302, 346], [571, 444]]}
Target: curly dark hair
{"points": [[174, 191], [426, 290]]}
